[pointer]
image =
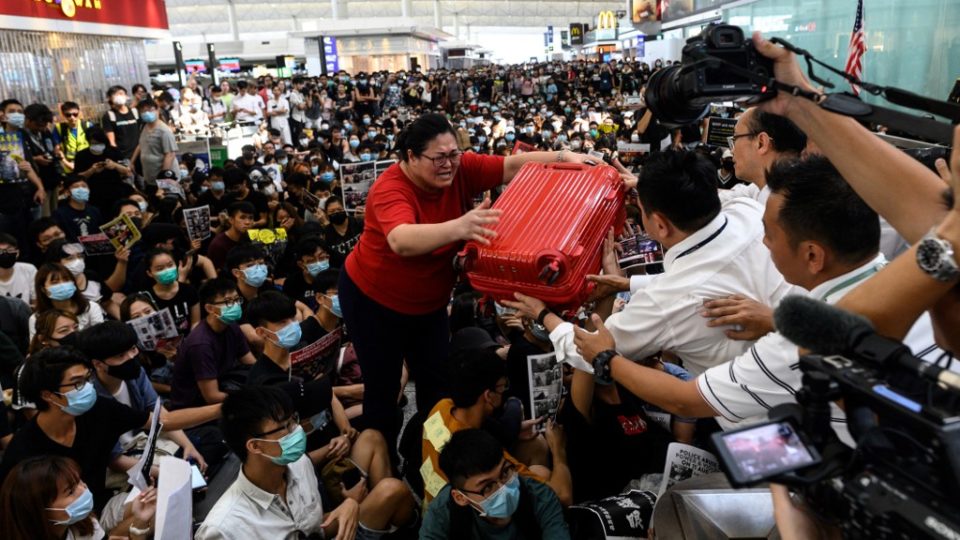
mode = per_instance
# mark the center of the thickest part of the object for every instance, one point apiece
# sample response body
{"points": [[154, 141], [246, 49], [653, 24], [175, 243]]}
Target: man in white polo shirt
{"points": [[759, 140], [711, 253], [823, 238]]}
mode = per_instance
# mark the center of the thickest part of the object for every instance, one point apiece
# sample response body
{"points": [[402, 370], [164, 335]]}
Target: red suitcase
{"points": [[550, 235]]}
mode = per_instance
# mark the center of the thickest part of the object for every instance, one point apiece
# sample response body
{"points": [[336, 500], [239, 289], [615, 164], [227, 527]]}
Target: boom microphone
{"points": [[828, 330]]}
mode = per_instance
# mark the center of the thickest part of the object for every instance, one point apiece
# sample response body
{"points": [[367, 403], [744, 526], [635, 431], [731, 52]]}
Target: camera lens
{"points": [[667, 100]]}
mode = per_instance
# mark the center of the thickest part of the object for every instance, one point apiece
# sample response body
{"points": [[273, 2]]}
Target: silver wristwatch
{"points": [[937, 258]]}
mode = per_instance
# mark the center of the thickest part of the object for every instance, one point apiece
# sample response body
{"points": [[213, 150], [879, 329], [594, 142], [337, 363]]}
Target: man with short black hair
{"points": [[486, 498], [710, 253], [823, 238], [72, 132], [239, 189], [158, 147], [213, 349], [45, 150], [759, 140], [312, 260], [77, 218], [16, 278], [477, 388], [16, 170], [240, 217], [121, 123]]}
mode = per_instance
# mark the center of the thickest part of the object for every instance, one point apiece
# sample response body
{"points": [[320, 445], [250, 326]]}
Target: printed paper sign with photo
{"points": [[198, 222], [316, 358], [96, 244], [546, 384], [154, 329], [121, 232]]}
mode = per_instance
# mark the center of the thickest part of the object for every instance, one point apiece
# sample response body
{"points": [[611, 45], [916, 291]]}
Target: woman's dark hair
{"points": [[418, 134], [470, 452], [45, 326], [40, 284], [136, 297], [29, 489]]}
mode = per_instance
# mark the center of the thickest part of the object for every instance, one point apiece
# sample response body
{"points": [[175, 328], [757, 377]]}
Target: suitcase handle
{"points": [[563, 166], [550, 272]]}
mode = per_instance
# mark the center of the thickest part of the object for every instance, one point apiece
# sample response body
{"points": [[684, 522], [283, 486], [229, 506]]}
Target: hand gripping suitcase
{"points": [[550, 235]]}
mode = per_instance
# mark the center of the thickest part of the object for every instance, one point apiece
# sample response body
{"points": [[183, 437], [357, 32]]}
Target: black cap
{"points": [[167, 174], [469, 339]]}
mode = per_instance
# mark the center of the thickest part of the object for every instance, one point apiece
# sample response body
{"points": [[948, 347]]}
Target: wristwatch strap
{"points": [[543, 315], [601, 367]]}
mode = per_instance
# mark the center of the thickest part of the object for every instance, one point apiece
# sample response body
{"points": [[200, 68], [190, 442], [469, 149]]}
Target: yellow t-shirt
{"points": [[437, 429]]}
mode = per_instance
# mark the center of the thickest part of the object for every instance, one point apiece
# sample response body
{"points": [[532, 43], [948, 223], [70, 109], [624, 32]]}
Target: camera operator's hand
{"points": [[630, 180], [785, 70], [750, 319]]}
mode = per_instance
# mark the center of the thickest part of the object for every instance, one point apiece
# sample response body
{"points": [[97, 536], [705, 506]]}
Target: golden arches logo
{"points": [[606, 20]]}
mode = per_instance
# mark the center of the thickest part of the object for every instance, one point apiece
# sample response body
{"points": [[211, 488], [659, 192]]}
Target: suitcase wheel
{"points": [[550, 272]]}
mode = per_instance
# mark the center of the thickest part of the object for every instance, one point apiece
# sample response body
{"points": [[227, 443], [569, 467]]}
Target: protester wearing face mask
{"points": [[121, 123], [343, 232], [55, 328], [104, 168], [214, 348], [56, 288], [486, 498], [119, 376], [16, 277], [77, 218], [58, 382], [44, 497], [71, 256], [312, 260], [181, 298], [158, 147]]}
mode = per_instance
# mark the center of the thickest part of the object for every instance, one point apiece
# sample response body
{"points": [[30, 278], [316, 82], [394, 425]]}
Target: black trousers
{"points": [[383, 339]]}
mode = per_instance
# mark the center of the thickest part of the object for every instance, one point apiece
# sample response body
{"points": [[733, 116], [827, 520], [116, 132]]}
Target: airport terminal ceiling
{"points": [[212, 17]]}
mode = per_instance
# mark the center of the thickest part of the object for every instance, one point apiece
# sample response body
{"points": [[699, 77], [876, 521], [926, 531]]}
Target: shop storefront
{"points": [[53, 51]]}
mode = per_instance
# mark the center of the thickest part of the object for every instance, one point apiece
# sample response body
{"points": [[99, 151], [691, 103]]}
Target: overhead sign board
{"points": [[143, 18], [576, 34]]}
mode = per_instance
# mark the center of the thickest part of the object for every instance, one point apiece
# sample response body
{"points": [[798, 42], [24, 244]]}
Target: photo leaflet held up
{"points": [[121, 232], [154, 330], [546, 384], [198, 222], [356, 179]]}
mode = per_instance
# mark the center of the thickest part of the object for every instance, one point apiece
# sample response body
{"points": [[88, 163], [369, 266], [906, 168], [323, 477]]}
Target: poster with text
{"points": [[546, 384], [121, 232], [198, 222]]}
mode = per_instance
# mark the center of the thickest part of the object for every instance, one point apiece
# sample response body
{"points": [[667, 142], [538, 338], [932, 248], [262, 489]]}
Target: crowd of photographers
{"points": [[261, 386]]}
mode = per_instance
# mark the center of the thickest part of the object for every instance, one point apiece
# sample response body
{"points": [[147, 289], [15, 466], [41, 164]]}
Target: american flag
{"points": [[858, 47]]}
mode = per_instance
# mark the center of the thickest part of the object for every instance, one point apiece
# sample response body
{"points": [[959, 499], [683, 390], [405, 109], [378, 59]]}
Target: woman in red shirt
{"points": [[398, 279]]}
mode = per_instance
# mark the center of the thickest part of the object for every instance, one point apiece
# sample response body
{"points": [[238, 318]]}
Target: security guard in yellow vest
{"points": [[72, 134]]}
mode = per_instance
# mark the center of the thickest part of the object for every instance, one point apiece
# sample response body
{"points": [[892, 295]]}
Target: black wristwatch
{"points": [[601, 367], [543, 315]]}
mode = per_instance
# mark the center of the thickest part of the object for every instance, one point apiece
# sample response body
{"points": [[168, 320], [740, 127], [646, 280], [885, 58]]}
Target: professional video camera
{"points": [[683, 93], [722, 65], [903, 478]]}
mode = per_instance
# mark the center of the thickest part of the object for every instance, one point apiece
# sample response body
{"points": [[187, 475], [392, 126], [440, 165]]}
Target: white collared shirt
{"points": [[749, 191], [249, 103], [742, 390], [246, 512], [725, 257]]}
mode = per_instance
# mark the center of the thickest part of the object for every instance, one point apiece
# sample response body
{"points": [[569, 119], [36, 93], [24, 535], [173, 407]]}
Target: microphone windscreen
{"points": [[817, 326]]}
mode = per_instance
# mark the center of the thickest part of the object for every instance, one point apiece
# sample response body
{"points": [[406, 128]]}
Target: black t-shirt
{"points": [[620, 445], [216, 205], [76, 223], [266, 373], [125, 128], [257, 199], [180, 305], [107, 186], [97, 432], [339, 246], [297, 288]]}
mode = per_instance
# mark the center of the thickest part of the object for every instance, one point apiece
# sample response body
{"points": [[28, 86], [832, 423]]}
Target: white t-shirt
{"points": [[21, 283], [249, 103]]}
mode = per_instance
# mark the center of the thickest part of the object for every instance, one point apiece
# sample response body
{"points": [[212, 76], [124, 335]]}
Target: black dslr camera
{"points": [[718, 65]]}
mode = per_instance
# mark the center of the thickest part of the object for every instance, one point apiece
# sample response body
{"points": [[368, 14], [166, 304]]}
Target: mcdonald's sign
{"points": [[606, 25], [576, 34]]}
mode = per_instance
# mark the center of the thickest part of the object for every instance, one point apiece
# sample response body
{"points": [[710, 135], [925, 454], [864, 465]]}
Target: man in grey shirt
{"points": [[158, 146]]}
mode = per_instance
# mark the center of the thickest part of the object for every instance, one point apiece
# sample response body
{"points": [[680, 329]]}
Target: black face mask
{"points": [[127, 371], [338, 218], [7, 260], [727, 165], [69, 340], [137, 222]]}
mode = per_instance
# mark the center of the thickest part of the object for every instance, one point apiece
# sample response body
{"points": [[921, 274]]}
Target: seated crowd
{"points": [[237, 329]]}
